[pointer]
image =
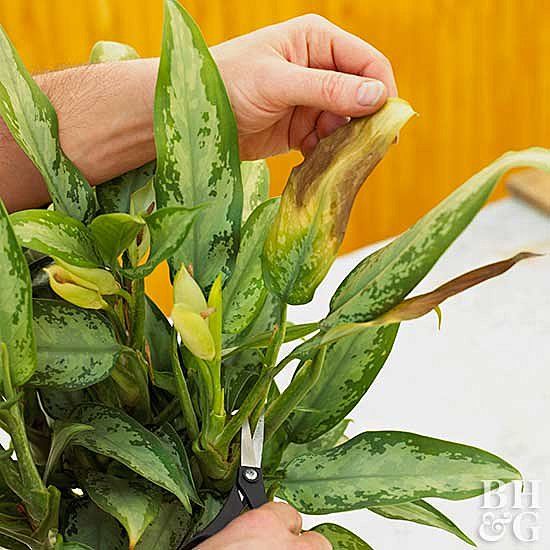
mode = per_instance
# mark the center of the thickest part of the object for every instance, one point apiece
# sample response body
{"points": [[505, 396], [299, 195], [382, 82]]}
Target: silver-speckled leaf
{"points": [[421, 512], [351, 366], [341, 538], [56, 234], [87, 524], [255, 178], [119, 436], [197, 147], [168, 228], [382, 468], [382, 280], [32, 121], [134, 503], [106, 50], [317, 200], [16, 329], [76, 347], [245, 292]]}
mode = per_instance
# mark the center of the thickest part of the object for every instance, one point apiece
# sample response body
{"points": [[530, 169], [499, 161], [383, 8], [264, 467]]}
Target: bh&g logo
{"points": [[513, 511]]}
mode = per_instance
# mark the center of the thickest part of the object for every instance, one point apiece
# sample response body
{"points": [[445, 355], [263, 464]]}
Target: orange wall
{"points": [[477, 71]]}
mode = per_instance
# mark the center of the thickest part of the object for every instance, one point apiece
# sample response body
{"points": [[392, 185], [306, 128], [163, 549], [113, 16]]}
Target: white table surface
{"points": [[484, 379]]}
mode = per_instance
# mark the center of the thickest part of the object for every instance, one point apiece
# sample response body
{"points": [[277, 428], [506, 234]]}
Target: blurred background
{"points": [[476, 71]]}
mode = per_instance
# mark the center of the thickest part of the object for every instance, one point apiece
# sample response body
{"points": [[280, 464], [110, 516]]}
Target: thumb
{"points": [[340, 93]]}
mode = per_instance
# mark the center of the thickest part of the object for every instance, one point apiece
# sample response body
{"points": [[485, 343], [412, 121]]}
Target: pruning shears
{"points": [[248, 490]]}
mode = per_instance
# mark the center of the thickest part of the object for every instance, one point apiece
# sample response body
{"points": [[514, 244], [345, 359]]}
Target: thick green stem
{"points": [[137, 340], [284, 405], [187, 409], [120, 331], [35, 493]]}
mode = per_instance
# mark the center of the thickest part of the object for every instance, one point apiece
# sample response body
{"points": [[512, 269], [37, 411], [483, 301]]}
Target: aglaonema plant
{"points": [[123, 425]]}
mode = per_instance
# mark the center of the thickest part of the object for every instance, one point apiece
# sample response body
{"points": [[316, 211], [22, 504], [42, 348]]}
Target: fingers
{"points": [[288, 516], [314, 541], [330, 47], [323, 125], [340, 93]]}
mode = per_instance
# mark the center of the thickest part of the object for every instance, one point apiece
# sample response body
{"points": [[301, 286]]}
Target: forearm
{"points": [[105, 116]]}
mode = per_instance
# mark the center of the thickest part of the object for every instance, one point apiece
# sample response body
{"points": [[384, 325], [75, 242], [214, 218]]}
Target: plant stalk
{"points": [[137, 339]]}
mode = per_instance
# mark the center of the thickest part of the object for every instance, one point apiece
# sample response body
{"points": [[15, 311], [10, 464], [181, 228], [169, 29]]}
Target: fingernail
{"points": [[369, 93]]}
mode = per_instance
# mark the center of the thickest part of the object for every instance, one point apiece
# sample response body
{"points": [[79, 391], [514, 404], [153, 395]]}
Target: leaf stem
{"points": [[137, 340]]}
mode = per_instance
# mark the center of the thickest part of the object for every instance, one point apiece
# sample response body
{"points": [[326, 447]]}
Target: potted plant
{"points": [[124, 425]]}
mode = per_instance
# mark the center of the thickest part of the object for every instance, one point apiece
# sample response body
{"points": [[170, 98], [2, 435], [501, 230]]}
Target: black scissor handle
{"points": [[249, 484]]}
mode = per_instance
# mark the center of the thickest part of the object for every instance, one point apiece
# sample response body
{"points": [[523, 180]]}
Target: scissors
{"points": [[248, 490]]}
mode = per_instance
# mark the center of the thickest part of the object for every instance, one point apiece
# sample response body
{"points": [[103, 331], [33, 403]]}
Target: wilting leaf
{"points": [[197, 147], [88, 524], [317, 200], [114, 233], [56, 234], [105, 50], [169, 228], [382, 468], [423, 513], [255, 178], [418, 306], [351, 366], [168, 529], [63, 434], [384, 278], [341, 538], [245, 291], [16, 330], [122, 438], [32, 121], [133, 503], [76, 348]]}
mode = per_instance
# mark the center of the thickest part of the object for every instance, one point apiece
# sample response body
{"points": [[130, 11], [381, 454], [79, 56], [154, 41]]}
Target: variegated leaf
{"points": [[197, 147], [32, 121], [105, 51], [317, 200], [122, 438], [56, 234], [341, 538], [76, 348], [422, 513], [383, 279], [255, 178], [16, 329], [245, 292], [383, 468]]}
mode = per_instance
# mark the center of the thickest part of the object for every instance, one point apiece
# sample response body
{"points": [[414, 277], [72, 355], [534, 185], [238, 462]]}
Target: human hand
{"points": [[274, 526], [296, 82]]}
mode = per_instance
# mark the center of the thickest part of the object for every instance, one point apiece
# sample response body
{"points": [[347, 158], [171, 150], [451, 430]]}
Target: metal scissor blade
{"points": [[252, 447]]}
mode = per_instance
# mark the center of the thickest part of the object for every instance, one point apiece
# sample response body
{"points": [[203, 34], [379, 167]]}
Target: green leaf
{"points": [[60, 404], [88, 524], [63, 434], [212, 506], [114, 233], [133, 503], [122, 438], [383, 468], [16, 329], [316, 202], [76, 347], [197, 147], [158, 334], [105, 51], [423, 513], [384, 278], [168, 529], [32, 121], [56, 234], [245, 291], [341, 538], [169, 228], [76, 546], [335, 436], [114, 195], [255, 178], [351, 366]]}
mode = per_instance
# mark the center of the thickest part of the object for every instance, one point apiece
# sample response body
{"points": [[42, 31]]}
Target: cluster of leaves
{"points": [[125, 426]]}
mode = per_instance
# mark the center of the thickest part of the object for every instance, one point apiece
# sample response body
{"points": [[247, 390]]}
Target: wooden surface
{"points": [[475, 70]]}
